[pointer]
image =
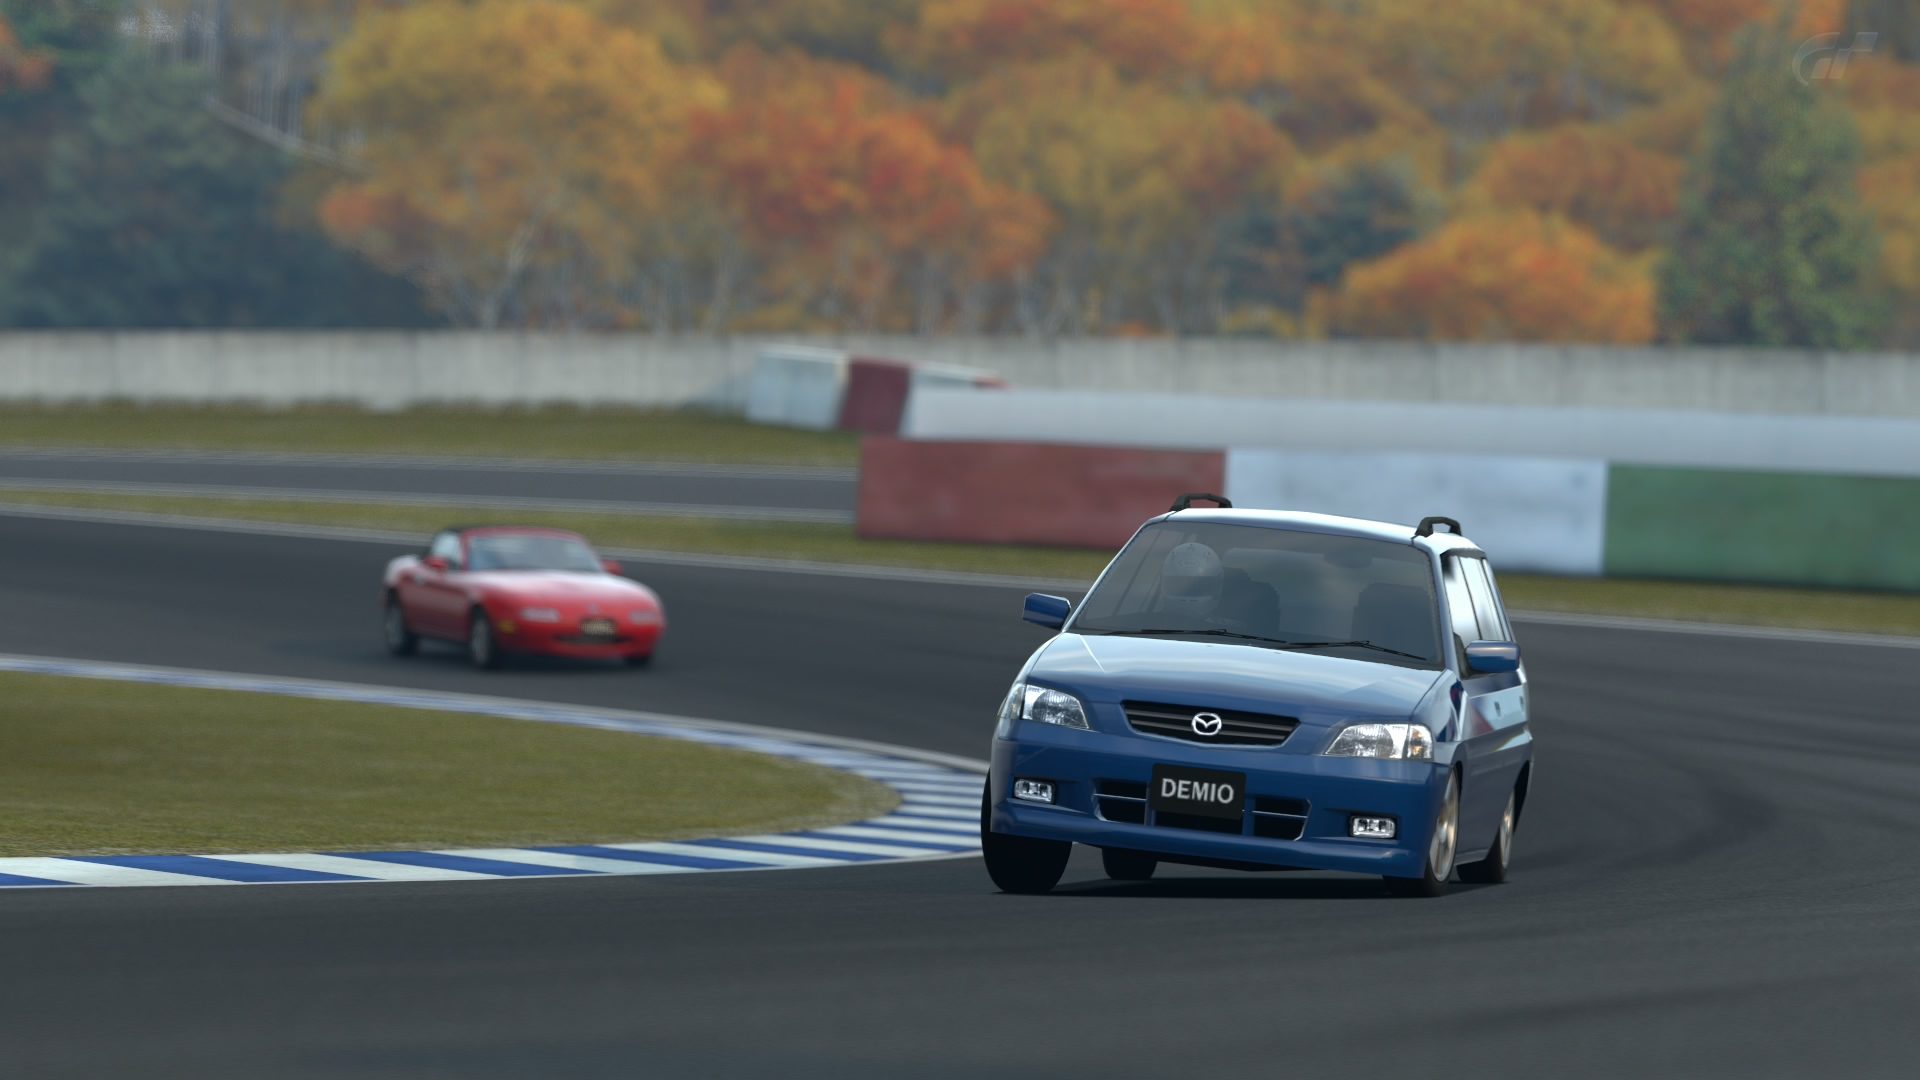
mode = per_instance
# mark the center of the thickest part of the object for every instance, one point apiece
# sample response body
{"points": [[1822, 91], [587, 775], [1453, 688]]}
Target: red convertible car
{"points": [[501, 589]]}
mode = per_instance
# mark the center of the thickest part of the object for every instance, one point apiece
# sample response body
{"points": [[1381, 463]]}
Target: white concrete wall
{"points": [[1860, 446], [378, 370], [388, 369], [1540, 514]]}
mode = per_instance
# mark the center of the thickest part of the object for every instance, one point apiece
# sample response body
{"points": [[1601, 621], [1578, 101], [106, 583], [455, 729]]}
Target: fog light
{"points": [[1033, 790], [1371, 828]]}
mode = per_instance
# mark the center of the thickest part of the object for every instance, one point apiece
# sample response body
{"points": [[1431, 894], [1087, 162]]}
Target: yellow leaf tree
{"points": [[508, 150]]}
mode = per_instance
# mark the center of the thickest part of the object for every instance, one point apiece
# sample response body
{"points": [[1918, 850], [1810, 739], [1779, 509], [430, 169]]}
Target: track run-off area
{"points": [[1712, 878]]}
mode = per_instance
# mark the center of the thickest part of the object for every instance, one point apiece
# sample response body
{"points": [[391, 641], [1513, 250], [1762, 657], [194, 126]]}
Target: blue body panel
{"points": [[1333, 788]]}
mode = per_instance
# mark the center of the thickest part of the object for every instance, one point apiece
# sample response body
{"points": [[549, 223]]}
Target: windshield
{"points": [[1272, 588], [530, 551]]}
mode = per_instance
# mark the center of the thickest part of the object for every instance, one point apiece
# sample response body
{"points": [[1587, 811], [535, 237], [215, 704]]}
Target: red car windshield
{"points": [[530, 551]]}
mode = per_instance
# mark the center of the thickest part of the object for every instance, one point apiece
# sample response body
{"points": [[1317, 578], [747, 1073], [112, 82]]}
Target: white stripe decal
{"points": [[769, 858], [78, 872], [560, 860], [908, 821], [350, 867], [901, 836], [815, 843]]}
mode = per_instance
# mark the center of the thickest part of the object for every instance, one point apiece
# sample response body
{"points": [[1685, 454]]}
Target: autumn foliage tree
{"points": [[1510, 277], [507, 150], [855, 197], [1589, 174]]}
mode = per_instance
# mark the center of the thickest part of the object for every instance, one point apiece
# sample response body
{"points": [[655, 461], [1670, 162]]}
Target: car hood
{"points": [[1301, 684], [560, 587]]}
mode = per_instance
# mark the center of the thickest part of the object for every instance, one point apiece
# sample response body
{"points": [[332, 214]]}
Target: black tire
{"points": [[1127, 865], [1018, 864], [1437, 869], [642, 660], [482, 650], [393, 624], [1492, 870]]}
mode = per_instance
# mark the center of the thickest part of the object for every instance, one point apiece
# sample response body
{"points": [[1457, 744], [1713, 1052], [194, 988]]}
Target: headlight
{"points": [[644, 616], [1412, 742], [539, 614], [1039, 703]]}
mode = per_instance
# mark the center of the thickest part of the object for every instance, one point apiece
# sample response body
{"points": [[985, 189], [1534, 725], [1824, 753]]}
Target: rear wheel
{"points": [[1127, 865], [1018, 864], [1493, 869], [481, 648], [400, 640], [1439, 863]]}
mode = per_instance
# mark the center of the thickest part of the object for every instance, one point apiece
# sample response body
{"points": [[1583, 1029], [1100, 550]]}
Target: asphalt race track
{"points": [[1713, 877], [734, 490]]}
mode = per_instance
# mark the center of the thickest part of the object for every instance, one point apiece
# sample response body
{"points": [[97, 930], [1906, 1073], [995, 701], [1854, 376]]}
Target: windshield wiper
{"points": [[1355, 645], [1211, 632]]}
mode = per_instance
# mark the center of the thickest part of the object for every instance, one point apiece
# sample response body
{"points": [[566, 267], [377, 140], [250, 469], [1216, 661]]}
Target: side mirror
{"points": [[435, 563], [1493, 657], [1047, 611], [611, 566]]}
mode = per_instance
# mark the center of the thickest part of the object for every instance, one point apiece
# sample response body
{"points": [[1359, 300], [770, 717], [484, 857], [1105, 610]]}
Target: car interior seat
{"points": [[1252, 606]]}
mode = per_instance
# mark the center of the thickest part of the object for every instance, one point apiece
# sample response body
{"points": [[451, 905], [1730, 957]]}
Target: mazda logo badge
{"points": [[1206, 723]]}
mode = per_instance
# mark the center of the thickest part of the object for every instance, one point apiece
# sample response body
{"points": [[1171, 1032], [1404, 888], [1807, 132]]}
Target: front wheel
{"points": [[400, 640], [481, 648], [1127, 865], [1492, 870], [1018, 864], [1439, 863]]}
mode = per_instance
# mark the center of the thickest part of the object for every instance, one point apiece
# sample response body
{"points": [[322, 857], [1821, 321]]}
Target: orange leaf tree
{"points": [[508, 149], [1518, 276], [853, 197], [1593, 175]]}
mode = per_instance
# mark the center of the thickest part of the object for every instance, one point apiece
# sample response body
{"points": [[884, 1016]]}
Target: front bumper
{"points": [[1308, 798], [564, 639]]}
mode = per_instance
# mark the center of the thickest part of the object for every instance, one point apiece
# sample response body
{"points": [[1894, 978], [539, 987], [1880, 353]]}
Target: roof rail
{"points": [[1427, 524], [1185, 502]]}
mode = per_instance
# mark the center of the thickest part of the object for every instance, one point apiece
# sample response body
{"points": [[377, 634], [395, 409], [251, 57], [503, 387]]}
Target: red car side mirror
{"points": [[611, 566], [435, 563]]}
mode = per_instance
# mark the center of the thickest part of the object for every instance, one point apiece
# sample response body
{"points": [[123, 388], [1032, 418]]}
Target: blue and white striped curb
{"points": [[938, 815]]}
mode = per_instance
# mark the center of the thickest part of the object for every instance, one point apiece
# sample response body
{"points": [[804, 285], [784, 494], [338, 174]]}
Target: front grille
{"points": [[1236, 728], [1121, 800], [1279, 819], [590, 639], [1197, 823]]}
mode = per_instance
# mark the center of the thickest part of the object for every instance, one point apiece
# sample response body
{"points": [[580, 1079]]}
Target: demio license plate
{"points": [[1178, 790]]}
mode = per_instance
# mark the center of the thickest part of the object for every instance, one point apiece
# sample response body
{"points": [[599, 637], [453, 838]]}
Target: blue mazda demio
{"points": [[1259, 690]]}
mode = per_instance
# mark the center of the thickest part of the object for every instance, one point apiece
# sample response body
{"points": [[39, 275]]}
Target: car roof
{"points": [[1329, 524]]}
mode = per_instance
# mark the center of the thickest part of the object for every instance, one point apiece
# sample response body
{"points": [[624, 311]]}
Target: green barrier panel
{"points": [[1782, 528]]}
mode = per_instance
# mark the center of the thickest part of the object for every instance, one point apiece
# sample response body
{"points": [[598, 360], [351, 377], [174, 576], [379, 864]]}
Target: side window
{"points": [[447, 546], [1486, 604], [1460, 607]]}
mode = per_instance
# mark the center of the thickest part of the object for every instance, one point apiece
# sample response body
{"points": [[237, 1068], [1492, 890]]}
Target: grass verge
{"points": [[609, 434], [94, 767], [1758, 605]]}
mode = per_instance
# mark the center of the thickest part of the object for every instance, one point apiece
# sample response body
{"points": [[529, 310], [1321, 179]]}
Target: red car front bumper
{"points": [[565, 639]]}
